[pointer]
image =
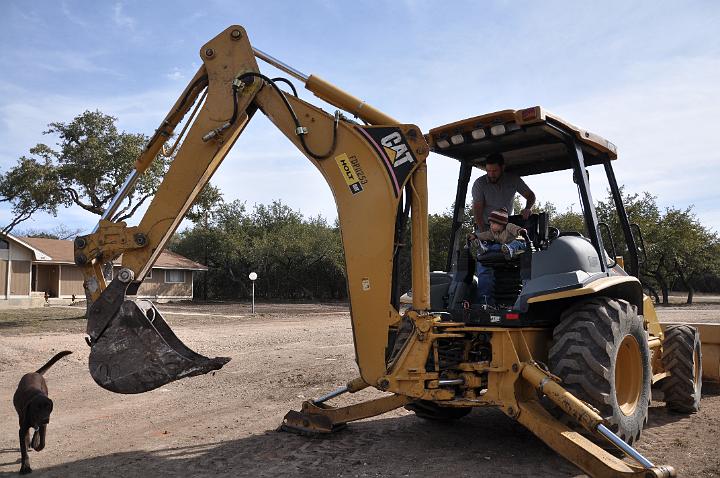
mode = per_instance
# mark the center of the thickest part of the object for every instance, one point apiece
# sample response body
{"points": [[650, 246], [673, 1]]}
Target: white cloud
{"points": [[175, 75], [661, 119], [25, 115], [76, 19], [121, 19], [50, 61]]}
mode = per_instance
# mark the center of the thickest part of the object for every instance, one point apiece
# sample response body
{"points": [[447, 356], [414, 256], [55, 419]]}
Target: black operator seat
{"points": [[536, 226]]}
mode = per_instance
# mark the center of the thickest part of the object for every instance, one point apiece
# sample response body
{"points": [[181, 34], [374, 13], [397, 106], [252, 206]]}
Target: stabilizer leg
{"points": [[319, 419], [572, 445]]}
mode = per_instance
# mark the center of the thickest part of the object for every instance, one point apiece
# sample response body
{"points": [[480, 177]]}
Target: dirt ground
{"points": [[224, 424]]}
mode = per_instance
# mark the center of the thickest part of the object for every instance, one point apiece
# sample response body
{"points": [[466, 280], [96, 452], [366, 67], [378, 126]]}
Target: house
{"points": [[30, 267]]}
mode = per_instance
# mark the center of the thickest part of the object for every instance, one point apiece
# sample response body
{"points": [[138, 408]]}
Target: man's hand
{"points": [[526, 213]]}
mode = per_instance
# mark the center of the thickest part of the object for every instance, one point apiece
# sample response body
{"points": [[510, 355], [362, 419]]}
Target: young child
{"points": [[502, 235]]}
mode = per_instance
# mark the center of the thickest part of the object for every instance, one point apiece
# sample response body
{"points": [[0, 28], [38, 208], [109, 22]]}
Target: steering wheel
{"points": [[528, 242], [553, 233]]}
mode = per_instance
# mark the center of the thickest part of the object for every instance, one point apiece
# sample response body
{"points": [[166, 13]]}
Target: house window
{"points": [[174, 276], [149, 274], [4, 244]]}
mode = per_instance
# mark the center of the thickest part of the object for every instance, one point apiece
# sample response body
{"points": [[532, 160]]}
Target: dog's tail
{"points": [[52, 361]]}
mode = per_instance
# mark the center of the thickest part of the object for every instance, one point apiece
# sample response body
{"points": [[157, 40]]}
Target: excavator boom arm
{"points": [[368, 168]]}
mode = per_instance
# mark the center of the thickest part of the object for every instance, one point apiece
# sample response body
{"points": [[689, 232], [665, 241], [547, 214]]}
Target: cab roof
{"points": [[532, 141]]}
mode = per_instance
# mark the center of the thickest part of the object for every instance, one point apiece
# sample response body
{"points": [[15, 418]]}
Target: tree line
{"points": [[677, 252], [295, 258], [302, 258]]}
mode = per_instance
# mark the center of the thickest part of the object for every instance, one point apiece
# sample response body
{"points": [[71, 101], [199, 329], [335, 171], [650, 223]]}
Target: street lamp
{"points": [[253, 276]]}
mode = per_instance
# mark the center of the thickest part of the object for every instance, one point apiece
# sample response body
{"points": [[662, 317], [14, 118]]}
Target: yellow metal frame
{"points": [[369, 171], [625, 287]]}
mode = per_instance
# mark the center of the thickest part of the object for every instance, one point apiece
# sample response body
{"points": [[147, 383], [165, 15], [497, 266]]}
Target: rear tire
{"points": [[600, 351], [429, 410], [682, 357]]}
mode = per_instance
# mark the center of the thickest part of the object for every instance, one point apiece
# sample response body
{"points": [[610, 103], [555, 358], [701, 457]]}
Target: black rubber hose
{"points": [[294, 116], [288, 82]]}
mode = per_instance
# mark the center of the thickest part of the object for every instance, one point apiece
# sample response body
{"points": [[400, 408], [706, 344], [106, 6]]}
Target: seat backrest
{"points": [[462, 278], [536, 226]]}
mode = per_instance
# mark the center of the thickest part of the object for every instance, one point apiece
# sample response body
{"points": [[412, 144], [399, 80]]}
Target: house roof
{"points": [[59, 251], [37, 253]]}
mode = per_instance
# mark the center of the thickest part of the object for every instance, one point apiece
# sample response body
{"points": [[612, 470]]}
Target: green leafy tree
{"points": [[294, 257], [689, 248], [206, 206], [678, 248], [86, 168]]}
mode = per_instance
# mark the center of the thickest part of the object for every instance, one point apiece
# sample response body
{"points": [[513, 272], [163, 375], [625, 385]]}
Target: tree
{"points": [[689, 247], [678, 247], [439, 239], [218, 240], [206, 206], [203, 211], [295, 258], [87, 169], [60, 232]]}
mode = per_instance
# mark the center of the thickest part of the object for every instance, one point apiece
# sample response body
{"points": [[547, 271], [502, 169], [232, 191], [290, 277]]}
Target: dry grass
{"points": [[41, 318]]}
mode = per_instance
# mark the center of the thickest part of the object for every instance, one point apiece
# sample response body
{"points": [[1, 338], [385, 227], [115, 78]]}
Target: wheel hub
{"points": [[628, 375]]}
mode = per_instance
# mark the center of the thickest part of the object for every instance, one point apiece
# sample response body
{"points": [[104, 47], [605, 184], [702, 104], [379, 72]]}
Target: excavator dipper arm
{"points": [[367, 168]]}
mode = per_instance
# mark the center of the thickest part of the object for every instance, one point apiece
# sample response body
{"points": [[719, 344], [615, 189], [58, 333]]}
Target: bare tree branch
{"points": [[18, 219], [135, 208]]}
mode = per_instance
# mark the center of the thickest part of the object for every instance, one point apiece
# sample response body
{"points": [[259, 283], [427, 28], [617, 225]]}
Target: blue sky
{"points": [[645, 75]]}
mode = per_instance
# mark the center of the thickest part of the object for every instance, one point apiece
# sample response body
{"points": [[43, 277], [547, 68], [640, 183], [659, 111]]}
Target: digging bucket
{"points": [[133, 349]]}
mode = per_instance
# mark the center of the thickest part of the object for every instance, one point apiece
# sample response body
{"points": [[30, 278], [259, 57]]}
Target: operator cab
{"points": [[532, 141]]}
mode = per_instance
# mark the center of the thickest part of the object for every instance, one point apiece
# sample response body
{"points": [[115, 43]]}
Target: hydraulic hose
{"points": [[298, 127]]}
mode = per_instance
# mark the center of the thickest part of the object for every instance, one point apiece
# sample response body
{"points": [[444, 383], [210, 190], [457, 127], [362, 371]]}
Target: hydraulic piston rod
{"points": [[352, 387], [333, 394], [331, 93], [627, 449], [280, 65], [120, 196], [590, 420]]}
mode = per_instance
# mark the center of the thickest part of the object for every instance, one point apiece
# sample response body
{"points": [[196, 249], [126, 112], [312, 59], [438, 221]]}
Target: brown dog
{"points": [[33, 407]]}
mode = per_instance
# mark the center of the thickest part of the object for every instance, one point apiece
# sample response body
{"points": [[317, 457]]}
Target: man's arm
{"points": [[529, 196], [478, 207], [478, 204]]}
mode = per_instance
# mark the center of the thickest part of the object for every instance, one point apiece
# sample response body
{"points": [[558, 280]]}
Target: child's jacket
{"points": [[506, 236]]}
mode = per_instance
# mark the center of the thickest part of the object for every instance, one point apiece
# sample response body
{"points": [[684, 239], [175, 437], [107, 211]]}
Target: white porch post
{"points": [[9, 266]]}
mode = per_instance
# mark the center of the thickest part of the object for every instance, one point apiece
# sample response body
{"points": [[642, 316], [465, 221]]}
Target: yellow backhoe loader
{"points": [[570, 349]]}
